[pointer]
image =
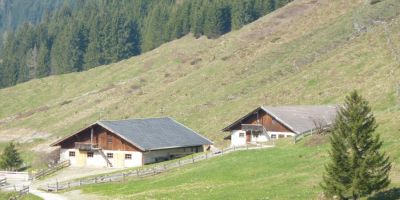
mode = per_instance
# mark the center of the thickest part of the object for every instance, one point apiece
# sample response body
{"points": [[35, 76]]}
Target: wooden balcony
{"points": [[252, 127], [85, 146]]}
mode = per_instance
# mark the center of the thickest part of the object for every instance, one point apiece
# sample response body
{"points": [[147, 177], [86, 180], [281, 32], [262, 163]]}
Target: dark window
{"points": [[128, 156], [72, 154], [110, 155], [273, 136], [281, 136], [288, 136], [90, 154], [241, 134], [109, 138]]}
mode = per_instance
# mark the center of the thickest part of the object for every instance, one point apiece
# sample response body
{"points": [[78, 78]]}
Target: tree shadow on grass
{"points": [[391, 194]]}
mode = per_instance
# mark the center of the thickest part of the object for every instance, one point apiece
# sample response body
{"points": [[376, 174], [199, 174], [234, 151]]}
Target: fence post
{"points": [[137, 172], [222, 151], [56, 185], [192, 158], [123, 176], [206, 155], [179, 163], [69, 186], [80, 182], [95, 179]]}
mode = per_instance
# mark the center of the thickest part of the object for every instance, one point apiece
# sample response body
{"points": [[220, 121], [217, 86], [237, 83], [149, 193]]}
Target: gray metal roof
{"points": [[299, 119], [155, 133]]}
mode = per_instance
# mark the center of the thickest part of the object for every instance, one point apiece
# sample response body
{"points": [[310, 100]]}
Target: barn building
{"points": [[130, 143], [272, 122]]}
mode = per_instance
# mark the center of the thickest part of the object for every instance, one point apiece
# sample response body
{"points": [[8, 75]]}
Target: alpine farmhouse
{"points": [[130, 143], [268, 123]]}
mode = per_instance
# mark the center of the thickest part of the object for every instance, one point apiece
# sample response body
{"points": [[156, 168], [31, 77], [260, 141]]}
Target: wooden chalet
{"points": [[130, 143], [272, 122]]}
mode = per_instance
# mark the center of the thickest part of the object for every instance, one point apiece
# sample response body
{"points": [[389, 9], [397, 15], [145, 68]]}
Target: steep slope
{"points": [[307, 52]]}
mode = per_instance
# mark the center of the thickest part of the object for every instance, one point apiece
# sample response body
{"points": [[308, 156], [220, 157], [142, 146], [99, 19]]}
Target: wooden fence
{"points": [[20, 193], [3, 181], [44, 172], [146, 171]]}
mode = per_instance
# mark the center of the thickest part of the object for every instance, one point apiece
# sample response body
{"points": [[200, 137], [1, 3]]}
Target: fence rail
{"points": [[20, 193], [50, 170], [146, 171], [3, 181]]}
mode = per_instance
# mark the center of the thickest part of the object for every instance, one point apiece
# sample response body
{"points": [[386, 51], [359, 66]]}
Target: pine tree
{"points": [[10, 159], [43, 66], [357, 166]]}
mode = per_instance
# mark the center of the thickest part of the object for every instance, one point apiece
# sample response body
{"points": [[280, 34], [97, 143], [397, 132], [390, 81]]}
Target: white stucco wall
{"points": [[151, 156], [118, 160], [285, 134], [236, 140]]}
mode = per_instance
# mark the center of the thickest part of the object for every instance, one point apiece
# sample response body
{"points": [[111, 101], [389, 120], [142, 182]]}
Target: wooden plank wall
{"points": [[100, 137], [266, 120]]}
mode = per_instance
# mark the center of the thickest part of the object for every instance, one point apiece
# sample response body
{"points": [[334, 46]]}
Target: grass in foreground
{"points": [[285, 172], [6, 195], [263, 174]]}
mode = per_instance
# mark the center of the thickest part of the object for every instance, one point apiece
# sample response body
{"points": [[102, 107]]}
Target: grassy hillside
{"points": [[309, 52], [284, 172], [277, 173]]}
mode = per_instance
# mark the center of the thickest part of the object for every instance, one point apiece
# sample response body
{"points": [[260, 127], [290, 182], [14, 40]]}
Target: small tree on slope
{"points": [[10, 159], [357, 167]]}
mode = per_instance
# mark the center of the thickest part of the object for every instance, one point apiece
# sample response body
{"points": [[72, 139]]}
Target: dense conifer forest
{"points": [[83, 34]]}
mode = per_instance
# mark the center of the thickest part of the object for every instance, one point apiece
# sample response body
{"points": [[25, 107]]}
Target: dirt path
{"points": [[71, 173], [66, 174], [46, 195]]}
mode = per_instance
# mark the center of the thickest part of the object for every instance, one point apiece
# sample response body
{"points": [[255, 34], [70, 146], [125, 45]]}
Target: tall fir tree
{"points": [[358, 167], [10, 159]]}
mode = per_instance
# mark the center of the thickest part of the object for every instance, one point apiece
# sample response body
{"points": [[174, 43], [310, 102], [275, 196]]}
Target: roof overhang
{"points": [[255, 111], [58, 142]]}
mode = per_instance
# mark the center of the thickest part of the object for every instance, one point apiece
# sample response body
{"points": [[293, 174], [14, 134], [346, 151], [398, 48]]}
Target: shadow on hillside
{"points": [[391, 194]]}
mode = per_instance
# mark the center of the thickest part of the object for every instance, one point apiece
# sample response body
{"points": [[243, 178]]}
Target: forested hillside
{"points": [[14, 13], [99, 32]]}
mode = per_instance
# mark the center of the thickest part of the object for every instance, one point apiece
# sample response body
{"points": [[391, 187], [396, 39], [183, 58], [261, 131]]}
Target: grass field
{"points": [[285, 172], [309, 52]]}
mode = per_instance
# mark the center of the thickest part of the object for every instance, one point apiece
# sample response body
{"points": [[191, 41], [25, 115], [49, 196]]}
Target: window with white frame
{"points": [[241, 134], [273, 136]]}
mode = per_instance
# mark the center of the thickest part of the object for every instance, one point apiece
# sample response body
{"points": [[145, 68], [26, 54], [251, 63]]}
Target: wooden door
{"points": [[248, 136]]}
